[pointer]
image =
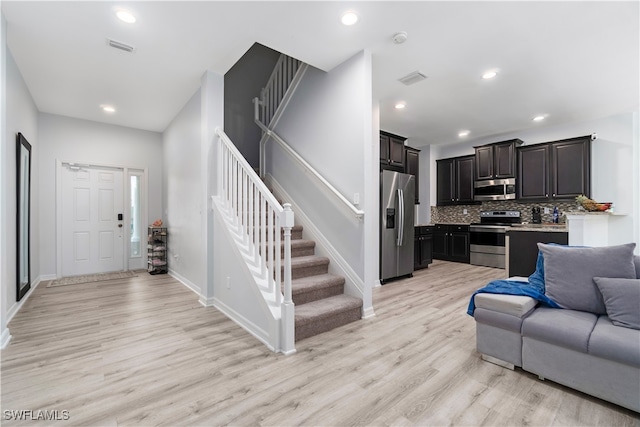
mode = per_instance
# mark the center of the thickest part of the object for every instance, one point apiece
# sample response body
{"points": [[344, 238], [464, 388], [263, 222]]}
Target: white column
{"points": [[5, 336], [588, 229], [212, 116], [287, 315]]}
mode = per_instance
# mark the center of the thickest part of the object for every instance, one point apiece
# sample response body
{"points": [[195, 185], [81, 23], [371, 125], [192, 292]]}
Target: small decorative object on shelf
{"points": [[157, 250], [591, 205]]}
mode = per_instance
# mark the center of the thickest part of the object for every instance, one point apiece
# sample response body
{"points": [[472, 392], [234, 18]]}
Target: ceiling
{"points": [[569, 61]]}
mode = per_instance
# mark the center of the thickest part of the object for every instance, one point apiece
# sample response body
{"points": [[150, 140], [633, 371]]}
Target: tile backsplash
{"points": [[455, 214]]}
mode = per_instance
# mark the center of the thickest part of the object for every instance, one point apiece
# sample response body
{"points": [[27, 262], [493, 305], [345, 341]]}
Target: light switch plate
{"points": [[546, 210], [464, 212], [356, 198]]}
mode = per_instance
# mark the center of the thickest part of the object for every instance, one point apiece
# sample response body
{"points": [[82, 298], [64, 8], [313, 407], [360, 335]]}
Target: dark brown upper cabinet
{"points": [[554, 170], [392, 149], [455, 180], [411, 166], [496, 161]]}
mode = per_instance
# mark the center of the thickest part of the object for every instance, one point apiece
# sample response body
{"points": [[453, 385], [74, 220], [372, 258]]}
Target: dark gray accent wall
{"points": [[242, 83]]}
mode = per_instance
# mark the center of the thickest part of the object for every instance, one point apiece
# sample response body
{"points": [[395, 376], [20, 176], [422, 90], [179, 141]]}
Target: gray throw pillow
{"points": [[569, 273], [622, 300]]}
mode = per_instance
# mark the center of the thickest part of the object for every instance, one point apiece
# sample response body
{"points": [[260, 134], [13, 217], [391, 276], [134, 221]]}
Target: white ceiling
{"points": [[569, 60]]}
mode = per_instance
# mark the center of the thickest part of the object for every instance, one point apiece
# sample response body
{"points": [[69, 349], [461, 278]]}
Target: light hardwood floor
{"points": [[143, 352]]}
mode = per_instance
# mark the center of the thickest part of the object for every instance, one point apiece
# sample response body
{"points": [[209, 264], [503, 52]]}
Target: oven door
{"points": [[487, 246], [486, 235]]}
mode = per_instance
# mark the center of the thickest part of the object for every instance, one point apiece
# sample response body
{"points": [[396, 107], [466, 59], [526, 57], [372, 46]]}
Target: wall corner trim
{"points": [[186, 282], [15, 308], [5, 338]]}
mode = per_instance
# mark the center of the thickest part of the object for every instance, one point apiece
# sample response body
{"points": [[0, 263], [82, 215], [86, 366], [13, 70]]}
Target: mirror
{"points": [[23, 179]]}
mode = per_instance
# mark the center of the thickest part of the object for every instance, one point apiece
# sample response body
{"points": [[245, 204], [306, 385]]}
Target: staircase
{"points": [[297, 297], [320, 302]]}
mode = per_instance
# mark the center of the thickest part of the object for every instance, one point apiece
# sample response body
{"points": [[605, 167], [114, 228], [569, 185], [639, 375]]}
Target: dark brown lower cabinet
{"points": [[423, 247], [451, 242], [522, 247]]}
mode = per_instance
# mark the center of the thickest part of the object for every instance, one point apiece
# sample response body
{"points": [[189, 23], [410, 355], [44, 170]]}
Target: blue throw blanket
{"points": [[513, 287], [533, 288]]}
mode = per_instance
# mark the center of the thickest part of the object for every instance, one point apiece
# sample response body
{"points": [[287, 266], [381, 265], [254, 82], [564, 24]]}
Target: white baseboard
{"points": [[353, 281], [259, 333], [5, 338], [206, 302], [368, 313], [186, 282], [15, 308]]}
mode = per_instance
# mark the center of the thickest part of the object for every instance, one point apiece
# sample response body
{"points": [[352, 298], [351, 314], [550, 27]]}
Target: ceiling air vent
{"points": [[120, 46], [412, 78]]}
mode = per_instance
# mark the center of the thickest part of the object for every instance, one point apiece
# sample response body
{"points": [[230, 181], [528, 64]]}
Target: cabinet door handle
{"points": [[546, 195], [554, 194]]}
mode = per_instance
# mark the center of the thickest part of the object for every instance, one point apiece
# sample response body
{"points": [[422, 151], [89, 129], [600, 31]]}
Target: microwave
{"points": [[495, 189]]}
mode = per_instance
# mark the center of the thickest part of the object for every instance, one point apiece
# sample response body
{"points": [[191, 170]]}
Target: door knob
{"points": [[119, 225]]}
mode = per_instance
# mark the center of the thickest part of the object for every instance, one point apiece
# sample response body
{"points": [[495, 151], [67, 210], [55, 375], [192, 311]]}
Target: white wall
{"points": [[5, 336], [328, 122], [182, 188], [614, 164], [75, 140], [21, 116]]}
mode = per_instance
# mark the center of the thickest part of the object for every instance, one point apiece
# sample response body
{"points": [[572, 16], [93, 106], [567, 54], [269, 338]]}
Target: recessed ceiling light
{"points": [[400, 105], [108, 109], [489, 74], [349, 18], [539, 118], [126, 16], [463, 133]]}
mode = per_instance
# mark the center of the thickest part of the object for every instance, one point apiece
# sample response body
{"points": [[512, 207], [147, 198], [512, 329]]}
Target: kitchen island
{"points": [[522, 245]]}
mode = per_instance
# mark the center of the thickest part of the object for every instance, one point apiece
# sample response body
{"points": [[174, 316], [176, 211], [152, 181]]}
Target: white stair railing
{"points": [[262, 222], [274, 98], [279, 82]]}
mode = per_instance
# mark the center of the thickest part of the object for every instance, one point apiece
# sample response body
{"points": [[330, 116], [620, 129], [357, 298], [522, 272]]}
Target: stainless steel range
{"points": [[487, 237]]}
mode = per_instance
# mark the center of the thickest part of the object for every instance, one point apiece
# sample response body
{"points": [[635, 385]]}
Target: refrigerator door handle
{"points": [[400, 223]]}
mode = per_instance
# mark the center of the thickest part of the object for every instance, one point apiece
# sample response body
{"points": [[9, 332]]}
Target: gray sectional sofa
{"points": [[591, 343]]}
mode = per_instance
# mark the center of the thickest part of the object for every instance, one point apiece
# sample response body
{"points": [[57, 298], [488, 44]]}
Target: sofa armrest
{"points": [[514, 305]]}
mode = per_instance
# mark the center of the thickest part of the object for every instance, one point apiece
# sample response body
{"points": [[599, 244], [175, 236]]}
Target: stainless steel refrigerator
{"points": [[397, 200]]}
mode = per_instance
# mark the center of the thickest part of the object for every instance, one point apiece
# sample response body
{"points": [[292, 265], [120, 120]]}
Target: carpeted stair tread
{"points": [[310, 260], [300, 247], [296, 232], [313, 288], [310, 265], [326, 314]]}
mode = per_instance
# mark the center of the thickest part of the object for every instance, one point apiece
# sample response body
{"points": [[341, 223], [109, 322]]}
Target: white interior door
{"points": [[92, 220]]}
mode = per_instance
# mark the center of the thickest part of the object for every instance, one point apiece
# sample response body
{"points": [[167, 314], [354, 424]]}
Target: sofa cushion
{"points": [[566, 328], [514, 305], [569, 273], [497, 319], [622, 300], [615, 343], [636, 260]]}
